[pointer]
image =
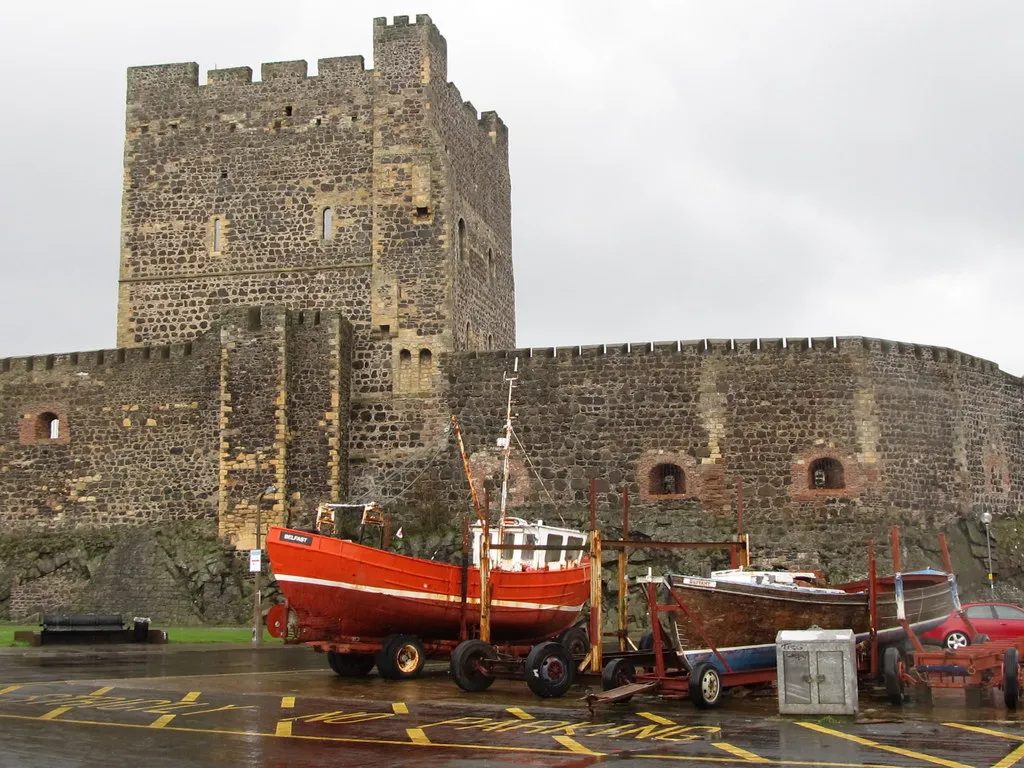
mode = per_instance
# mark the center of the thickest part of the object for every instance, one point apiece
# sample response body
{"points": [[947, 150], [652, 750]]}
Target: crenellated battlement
{"points": [[84, 362], [422, 19], [756, 346]]}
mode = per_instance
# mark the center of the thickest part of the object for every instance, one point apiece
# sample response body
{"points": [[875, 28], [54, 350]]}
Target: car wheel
{"points": [[957, 639]]}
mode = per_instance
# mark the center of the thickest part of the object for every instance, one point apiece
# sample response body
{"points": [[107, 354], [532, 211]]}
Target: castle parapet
{"points": [[230, 76], [284, 70], [161, 78]]}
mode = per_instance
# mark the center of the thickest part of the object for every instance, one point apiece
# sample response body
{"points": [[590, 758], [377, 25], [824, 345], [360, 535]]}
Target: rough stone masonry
{"points": [[316, 272]]}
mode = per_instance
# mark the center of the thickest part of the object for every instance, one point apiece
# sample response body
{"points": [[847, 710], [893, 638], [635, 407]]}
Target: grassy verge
{"points": [[174, 634]]}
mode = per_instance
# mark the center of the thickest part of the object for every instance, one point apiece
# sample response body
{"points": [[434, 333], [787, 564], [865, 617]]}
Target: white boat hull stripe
{"points": [[417, 595]]}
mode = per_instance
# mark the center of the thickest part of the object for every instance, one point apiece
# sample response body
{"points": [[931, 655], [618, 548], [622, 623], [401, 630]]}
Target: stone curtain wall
{"points": [[138, 437], [918, 431]]}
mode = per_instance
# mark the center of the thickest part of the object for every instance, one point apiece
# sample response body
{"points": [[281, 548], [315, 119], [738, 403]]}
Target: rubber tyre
{"points": [[705, 686], [617, 673], [401, 657], [350, 664], [981, 637], [892, 668], [1011, 678], [549, 670], [646, 641], [576, 640], [464, 665], [956, 639]]}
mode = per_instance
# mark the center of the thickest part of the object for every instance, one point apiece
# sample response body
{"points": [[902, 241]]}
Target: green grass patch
{"points": [[174, 634], [7, 633]]}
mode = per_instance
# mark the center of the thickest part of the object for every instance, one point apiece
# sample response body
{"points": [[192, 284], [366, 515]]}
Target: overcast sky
{"points": [[680, 170]]}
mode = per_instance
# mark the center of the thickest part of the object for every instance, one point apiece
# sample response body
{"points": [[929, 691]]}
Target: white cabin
{"points": [[519, 532]]}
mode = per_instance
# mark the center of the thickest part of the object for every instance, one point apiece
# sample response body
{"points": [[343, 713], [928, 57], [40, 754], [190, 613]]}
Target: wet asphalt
{"points": [[275, 706]]}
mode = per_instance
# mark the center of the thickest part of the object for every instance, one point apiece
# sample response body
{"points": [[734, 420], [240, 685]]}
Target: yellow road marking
{"points": [[417, 736], [738, 752], [1011, 759], [161, 721], [54, 713], [8, 689], [287, 702], [101, 691], [884, 747], [400, 708], [443, 745], [574, 746], [191, 696], [517, 712], [284, 728], [986, 731], [656, 718]]}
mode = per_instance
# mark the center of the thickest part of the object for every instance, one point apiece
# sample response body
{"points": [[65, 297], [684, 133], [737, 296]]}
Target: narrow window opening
{"points": [[302, 318], [47, 426], [187, 349], [288, 111], [218, 235], [255, 318], [277, 125], [462, 239], [121, 355], [667, 480], [5, 366], [49, 362], [174, 126], [223, 174], [385, 330], [825, 474], [422, 212], [232, 127], [316, 317], [144, 129], [469, 332], [100, 357], [165, 353], [328, 224], [490, 341], [318, 121], [490, 265], [30, 364], [147, 353]]}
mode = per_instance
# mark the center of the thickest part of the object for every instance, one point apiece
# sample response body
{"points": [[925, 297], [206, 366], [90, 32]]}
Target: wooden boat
{"points": [[344, 593], [742, 611], [339, 589]]}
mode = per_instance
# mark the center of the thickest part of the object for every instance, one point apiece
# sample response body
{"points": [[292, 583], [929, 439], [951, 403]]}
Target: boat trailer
{"points": [[982, 666], [551, 668]]}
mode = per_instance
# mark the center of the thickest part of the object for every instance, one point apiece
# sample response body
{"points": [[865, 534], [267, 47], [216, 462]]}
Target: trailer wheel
{"points": [[617, 673], [1011, 677], [466, 667], [705, 686], [981, 637], [549, 670], [892, 673], [646, 641], [401, 657], [350, 664], [576, 640]]}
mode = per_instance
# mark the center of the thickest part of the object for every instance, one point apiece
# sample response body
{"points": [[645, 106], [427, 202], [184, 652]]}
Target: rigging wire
{"points": [[536, 472]]}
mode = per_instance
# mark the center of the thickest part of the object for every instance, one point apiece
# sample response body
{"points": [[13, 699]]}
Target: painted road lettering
{"points": [[655, 731]]}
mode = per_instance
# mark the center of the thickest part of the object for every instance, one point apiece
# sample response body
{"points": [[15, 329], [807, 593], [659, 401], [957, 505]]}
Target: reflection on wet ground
{"points": [[284, 707]]}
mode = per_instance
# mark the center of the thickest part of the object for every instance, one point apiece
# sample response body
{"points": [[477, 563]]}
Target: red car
{"points": [[1000, 621]]}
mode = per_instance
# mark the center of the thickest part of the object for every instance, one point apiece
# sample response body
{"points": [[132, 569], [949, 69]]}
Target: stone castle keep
{"points": [[316, 272]]}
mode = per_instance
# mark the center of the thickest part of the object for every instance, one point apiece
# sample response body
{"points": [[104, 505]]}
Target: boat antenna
{"points": [[506, 443]]}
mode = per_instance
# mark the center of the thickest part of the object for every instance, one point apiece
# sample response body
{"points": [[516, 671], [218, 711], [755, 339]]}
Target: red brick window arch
{"points": [[666, 480], [826, 473], [47, 426]]}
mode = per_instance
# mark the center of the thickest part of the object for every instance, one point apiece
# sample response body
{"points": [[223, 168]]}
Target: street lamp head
{"points": [[986, 517]]}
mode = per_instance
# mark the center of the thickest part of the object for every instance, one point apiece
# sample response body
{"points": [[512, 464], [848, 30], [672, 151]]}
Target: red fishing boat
{"points": [[366, 605]]}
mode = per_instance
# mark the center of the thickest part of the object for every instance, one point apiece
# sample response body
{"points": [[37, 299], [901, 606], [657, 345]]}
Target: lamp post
{"points": [[986, 518], [256, 565]]}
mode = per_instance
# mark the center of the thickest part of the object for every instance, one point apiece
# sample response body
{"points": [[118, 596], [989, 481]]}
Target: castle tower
{"points": [[375, 193]]}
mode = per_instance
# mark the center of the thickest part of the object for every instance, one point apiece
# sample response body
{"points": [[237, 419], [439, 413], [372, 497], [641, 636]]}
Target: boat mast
{"points": [[507, 445]]}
